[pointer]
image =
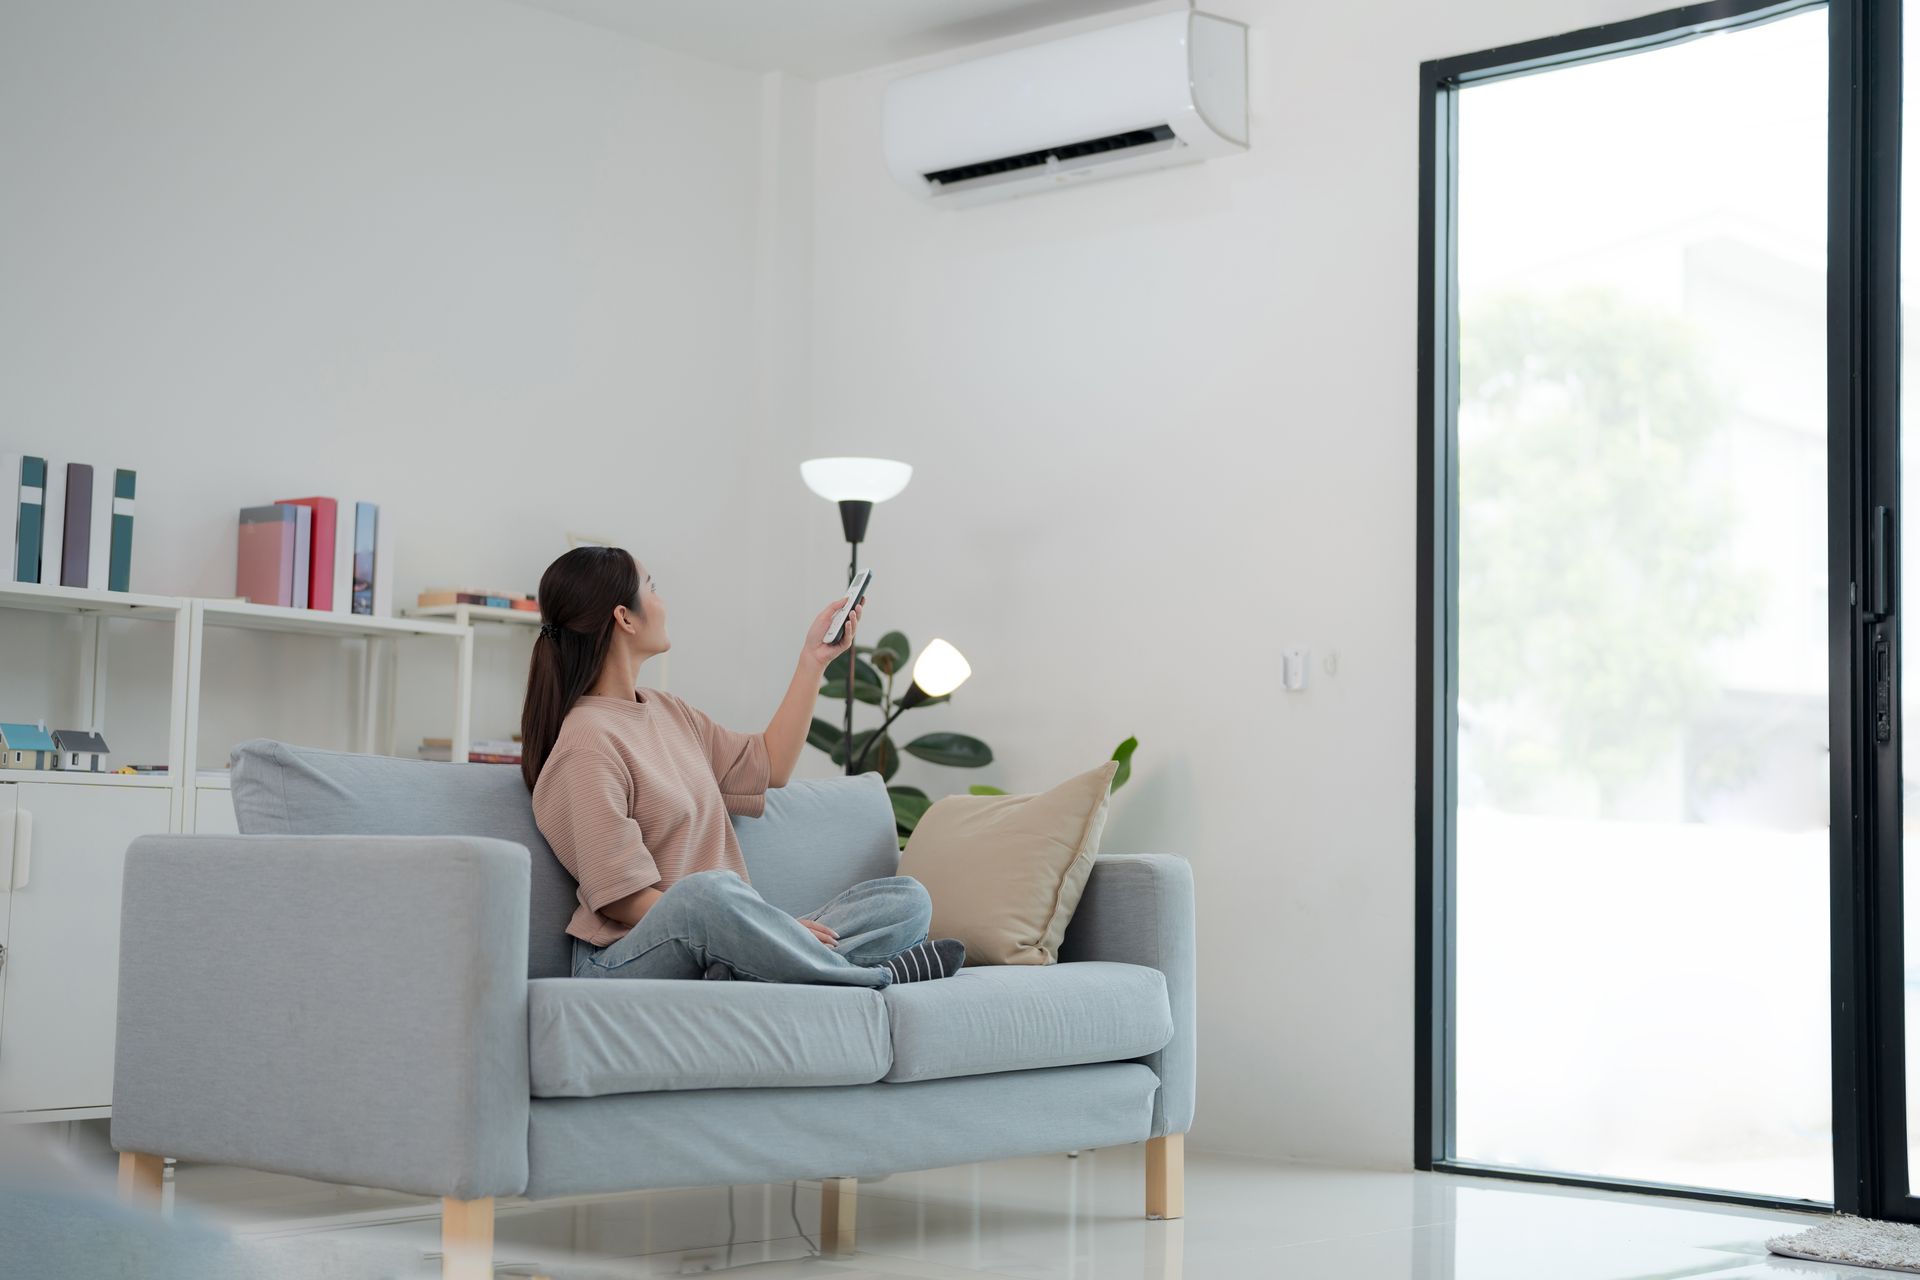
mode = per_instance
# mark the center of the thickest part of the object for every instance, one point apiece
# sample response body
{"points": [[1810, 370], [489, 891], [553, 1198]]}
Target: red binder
{"points": [[320, 572]]}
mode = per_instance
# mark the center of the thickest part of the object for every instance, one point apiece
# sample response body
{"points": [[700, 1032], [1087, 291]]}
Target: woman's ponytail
{"points": [[578, 594]]}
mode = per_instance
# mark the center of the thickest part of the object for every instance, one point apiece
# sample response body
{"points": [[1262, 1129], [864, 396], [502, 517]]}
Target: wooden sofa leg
{"points": [[140, 1176], [1167, 1176], [466, 1239], [839, 1198]]}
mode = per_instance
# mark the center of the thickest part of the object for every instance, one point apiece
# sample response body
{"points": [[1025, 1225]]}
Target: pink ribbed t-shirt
{"points": [[637, 792]]}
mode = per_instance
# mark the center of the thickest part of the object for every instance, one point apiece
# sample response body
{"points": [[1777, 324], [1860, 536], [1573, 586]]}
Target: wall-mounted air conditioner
{"points": [[1159, 91]]}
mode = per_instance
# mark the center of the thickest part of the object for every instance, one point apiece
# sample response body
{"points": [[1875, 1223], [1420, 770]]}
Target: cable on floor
{"points": [[793, 1208]]}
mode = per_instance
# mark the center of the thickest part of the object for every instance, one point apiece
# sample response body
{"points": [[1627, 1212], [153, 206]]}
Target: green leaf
{"points": [[909, 805], [863, 672], [871, 694], [956, 749], [825, 736], [1124, 754], [982, 789], [890, 655]]}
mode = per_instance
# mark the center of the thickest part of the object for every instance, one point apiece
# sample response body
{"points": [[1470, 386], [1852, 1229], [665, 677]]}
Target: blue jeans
{"points": [[715, 917]]}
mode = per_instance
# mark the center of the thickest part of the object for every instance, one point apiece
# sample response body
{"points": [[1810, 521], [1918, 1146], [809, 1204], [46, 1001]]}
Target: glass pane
{"points": [[1642, 810]]}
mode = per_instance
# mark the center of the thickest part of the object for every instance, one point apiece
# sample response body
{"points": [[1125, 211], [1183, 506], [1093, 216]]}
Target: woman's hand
{"points": [[821, 932], [819, 653]]}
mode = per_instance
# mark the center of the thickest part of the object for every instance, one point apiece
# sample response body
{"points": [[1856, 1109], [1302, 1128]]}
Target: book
{"points": [[263, 570], [346, 511], [320, 594], [53, 524], [100, 530], [366, 518], [383, 568], [302, 552], [33, 512], [529, 605], [428, 599], [476, 591], [120, 556], [76, 542]]}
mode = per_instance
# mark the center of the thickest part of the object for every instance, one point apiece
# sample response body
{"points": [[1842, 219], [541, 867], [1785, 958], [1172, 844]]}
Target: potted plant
{"points": [[872, 669]]}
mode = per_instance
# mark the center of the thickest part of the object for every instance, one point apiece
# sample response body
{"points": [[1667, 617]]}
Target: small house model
{"points": [[80, 751], [26, 746]]}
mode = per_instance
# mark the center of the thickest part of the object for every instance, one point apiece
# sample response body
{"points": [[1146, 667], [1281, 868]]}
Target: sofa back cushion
{"points": [[286, 790], [818, 836]]}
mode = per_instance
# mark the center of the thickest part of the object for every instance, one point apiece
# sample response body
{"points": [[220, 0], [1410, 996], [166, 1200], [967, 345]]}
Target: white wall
{"points": [[1164, 428], [507, 273]]}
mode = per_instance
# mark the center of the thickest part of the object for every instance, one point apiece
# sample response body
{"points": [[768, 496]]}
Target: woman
{"points": [[633, 788]]}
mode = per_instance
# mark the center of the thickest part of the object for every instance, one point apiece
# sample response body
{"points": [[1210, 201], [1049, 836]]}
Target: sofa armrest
{"points": [[1138, 909], [348, 1008]]}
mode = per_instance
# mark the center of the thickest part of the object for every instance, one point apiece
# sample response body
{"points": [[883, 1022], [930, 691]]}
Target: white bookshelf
{"points": [[188, 617]]}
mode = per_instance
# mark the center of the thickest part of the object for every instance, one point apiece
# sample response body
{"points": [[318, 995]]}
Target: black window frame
{"points": [[1869, 1118]]}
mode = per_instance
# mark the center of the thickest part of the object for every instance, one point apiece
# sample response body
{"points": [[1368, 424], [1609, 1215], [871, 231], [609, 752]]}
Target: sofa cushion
{"points": [[594, 1036], [1005, 872], [819, 837], [1018, 1017]]}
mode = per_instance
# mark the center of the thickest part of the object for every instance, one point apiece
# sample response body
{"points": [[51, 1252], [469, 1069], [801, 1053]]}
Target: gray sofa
{"points": [[370, 987]]}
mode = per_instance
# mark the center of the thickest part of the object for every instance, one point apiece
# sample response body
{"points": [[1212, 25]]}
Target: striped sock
{"points": [[925, 961]]}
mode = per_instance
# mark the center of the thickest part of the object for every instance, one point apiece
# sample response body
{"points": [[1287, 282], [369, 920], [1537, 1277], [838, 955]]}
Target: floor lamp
{"points": [[855, 484]]}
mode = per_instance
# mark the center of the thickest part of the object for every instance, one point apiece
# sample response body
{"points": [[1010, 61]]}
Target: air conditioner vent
{"points": [[1131, 140], [1155, 92]]}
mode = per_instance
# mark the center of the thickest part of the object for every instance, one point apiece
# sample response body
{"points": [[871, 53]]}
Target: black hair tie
{"points": [[550, 631]]}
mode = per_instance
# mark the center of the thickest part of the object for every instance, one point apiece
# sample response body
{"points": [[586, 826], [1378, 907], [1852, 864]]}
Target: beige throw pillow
{"points": [[1006, 872]]}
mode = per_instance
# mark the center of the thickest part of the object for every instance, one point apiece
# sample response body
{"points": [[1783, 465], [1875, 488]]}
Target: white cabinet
{"points": [[213, 811], [60, 922]]}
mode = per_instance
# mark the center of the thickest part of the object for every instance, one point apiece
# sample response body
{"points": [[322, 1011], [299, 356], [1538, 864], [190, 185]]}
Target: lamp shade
{"points": [[855, 479], [940, 669]]}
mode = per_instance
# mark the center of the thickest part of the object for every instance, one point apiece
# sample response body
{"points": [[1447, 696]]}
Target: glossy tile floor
{"points": [[1054, 1218]]}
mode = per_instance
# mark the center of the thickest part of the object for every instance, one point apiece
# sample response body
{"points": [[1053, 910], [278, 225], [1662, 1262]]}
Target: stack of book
{"points": [[65, 524], [475, 595], [482, 751], [316, 553]]}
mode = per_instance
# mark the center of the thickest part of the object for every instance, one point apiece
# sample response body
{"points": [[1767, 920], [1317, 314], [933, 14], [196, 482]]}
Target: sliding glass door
{"points": [[1641, 805], [1663, 929]]}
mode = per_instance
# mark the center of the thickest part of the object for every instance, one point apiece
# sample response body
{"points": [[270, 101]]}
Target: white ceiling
{"points": [[819, 38]]}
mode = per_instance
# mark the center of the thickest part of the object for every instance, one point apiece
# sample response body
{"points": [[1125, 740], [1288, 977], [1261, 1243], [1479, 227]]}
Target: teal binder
{"points": [[33, 513], [120, 561]]}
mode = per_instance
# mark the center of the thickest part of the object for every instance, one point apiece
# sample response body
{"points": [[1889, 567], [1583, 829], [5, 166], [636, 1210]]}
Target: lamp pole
{"points": [[853, 523], [854, 485]]}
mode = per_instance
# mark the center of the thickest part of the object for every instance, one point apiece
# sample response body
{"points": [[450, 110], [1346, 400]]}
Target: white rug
{"points": [[1859, 1242]]}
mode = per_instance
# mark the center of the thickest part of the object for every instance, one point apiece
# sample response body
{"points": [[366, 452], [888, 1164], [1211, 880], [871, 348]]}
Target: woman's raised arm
{"points": [[787, 731]]}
